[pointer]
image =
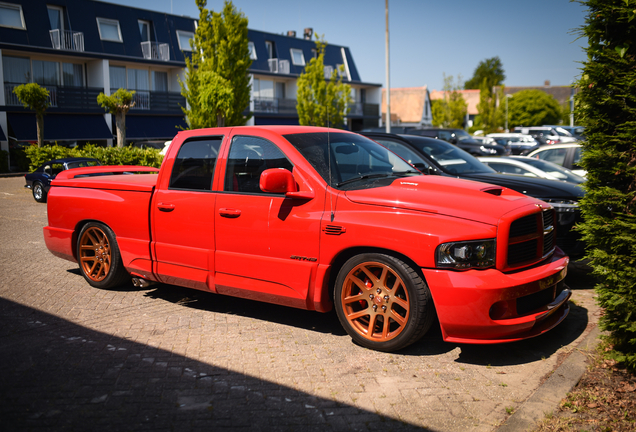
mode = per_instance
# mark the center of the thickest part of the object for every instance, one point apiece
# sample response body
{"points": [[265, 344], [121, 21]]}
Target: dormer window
{"points": [[11, 16], [269, 46], [298, 58], [144, 30], [56, 17], [250, 46], [109, 30], [184, 38]]}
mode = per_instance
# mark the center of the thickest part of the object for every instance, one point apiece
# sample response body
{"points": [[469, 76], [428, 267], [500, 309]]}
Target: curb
{"points": [[13, 174], [548, 396]]}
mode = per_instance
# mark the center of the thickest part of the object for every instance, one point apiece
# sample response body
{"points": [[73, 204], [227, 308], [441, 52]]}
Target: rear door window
{"points": [[194, 165]]}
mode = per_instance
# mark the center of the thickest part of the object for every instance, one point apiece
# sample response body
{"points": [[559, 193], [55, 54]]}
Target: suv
{"points": [[546, 134], [519, 144], [463, 140]]}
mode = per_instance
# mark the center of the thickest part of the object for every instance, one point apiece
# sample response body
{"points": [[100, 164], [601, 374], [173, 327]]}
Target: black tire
{"points": [[39, 194], [382, 303], [99, 258]]}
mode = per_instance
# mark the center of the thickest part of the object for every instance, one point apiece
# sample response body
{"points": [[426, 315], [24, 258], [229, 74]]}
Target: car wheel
{"points": [[99, 258], [39, 194], [382, 303]]}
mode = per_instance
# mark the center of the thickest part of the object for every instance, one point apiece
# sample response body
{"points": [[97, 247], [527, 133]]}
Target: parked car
{"points": [[518, 143], [546, 134], [577, 132], [433, 156], [567, 155], [317, 218], [531, 167], [463, 140], [484, 140], [39, 181]]}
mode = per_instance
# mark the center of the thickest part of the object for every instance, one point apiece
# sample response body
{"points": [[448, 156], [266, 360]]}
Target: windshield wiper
{"points": [[362, 177]]}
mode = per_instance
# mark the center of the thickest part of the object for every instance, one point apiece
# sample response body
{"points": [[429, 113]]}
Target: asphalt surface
{"points": [[166, 358]]}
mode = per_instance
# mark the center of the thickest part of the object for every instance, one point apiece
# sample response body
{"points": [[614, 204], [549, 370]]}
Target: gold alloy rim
{"points": [[95, 254], [375, 301]]}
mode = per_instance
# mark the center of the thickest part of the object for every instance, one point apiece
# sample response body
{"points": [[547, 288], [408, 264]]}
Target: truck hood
{"points": [[445, 196], [534, 187]]}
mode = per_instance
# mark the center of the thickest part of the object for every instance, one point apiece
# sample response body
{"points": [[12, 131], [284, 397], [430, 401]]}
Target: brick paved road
{"points": [[166, 358]]}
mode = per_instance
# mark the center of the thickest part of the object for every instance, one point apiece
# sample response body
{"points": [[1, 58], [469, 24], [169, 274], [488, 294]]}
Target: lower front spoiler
{"points": [[541, 322]]}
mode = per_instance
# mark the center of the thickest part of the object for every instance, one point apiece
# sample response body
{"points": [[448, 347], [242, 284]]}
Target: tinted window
{"points": [[249, 157], [556, 156], [194, 166], [405, 153], [452, 159]]}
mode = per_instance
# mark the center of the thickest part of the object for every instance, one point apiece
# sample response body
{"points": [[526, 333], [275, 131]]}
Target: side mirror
{"points": [[280, 180]]}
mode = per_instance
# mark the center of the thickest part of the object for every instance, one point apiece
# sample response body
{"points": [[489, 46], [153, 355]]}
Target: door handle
{"points": [[165, 207], [229, 213]]}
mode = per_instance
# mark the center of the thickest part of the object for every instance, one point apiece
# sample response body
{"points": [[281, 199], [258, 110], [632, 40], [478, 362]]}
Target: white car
{"points": [[567, 155], [517, 142], [531, 167]]}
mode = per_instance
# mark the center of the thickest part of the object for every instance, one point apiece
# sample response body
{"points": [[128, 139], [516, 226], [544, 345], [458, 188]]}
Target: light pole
{"points": [[508, 96], [388, 79]]}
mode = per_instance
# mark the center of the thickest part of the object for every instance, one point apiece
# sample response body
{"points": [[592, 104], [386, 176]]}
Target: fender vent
{"points": [[334, 229]]}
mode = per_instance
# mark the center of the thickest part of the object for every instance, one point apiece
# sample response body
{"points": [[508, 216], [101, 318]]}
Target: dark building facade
{"points": [[79, 48]]}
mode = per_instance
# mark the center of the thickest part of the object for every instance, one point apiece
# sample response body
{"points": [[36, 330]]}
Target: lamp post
{"points": [[508, 96]]}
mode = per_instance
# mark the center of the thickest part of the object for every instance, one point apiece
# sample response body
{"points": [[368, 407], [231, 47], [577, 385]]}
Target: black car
{"points": [[39, 181], [463, 140], [437, 157]]}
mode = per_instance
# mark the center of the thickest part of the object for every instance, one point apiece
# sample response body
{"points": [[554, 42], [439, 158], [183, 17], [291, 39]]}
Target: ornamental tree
{"points": [[221, 59], [35, 98], [533, 107], [118, 105], [606, 106], [322, 102]]}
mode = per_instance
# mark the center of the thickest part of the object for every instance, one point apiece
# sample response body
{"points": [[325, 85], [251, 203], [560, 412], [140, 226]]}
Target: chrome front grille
{"points": [[531, 238]]}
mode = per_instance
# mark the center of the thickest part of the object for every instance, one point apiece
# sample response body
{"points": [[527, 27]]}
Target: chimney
{"points": [[291, 33], [547, 83], [308, 33]]}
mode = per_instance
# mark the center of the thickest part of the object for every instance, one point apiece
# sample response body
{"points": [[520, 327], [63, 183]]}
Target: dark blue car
{"points": [[39, 181]]}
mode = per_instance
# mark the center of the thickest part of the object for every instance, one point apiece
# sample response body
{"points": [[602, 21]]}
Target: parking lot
{"points": [[168, 358]]}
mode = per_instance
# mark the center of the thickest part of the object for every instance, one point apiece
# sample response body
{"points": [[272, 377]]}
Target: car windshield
{"points": [[83, 164], [354, 161], [451, 159], [554, 170]]}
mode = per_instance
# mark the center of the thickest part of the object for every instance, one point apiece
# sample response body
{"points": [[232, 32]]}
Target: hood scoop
{"points": [[496, 191]]}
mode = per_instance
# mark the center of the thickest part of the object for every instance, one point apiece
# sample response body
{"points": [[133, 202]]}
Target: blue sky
{"points": [[535, 40]]}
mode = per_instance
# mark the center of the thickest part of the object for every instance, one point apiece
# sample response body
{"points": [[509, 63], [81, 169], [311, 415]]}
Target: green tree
{"points": [[221, 59], [491, 70], [321, 102], [491, 116], [451, 110], [531, 108], [118, 105], [35, 98], [606, 106]]}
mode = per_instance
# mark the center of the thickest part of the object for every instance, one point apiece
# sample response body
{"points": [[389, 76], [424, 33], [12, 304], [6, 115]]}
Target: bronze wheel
{"points": [[99, 258], [381, 302]]}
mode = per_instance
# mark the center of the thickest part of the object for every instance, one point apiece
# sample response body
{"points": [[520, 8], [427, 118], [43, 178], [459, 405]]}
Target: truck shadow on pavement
{"points": [[58, 375]]}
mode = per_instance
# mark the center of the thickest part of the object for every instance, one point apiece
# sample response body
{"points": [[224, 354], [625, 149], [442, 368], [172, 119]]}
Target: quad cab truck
{"points": [[317, 218]]}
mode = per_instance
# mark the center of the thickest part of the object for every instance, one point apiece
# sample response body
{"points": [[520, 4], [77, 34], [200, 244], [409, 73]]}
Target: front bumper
{"points": [[488, 306]]}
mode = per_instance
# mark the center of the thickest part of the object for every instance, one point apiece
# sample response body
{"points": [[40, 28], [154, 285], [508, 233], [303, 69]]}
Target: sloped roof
{"points": [[560, 93], [407, 103], [470, 96]]}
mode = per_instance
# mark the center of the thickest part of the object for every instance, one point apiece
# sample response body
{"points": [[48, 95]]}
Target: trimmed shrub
{"points": [[606, 106]]}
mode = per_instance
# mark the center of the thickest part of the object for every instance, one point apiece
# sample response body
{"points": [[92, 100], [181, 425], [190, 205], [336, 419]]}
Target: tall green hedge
{"points": [[606, 105], [106, 155]]}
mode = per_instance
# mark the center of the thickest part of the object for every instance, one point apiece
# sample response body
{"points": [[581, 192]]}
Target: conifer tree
{"points": [[606, 106], [219, 50]]}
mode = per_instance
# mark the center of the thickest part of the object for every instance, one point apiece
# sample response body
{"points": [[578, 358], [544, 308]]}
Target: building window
{"points": [[144, 30], [250, 46], [160, 81], [11, 16], [298, 58], [117, 77], [46, 73], [184, 39], [56, 17], [72, 75], [138, 79], [109, 30], [270, 49], [16, 70]]}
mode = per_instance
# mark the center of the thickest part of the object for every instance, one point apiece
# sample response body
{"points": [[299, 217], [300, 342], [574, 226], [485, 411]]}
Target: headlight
{"points": [[466, 255], [563, 206], [488, 150]]}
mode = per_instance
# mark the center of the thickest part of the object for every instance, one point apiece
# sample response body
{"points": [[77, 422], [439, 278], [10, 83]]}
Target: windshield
{"points": [[354, 161], [451, 159], [553, 169]]}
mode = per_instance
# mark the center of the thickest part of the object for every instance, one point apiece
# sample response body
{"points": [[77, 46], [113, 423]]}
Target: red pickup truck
{"points": [[311, 218]]}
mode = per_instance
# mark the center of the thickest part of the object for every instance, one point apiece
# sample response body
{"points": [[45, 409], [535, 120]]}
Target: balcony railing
{"points": [[11, 99], [274, 105], [364, 109], [157, 101], [67, 40], [155, 51], [278, 66]]}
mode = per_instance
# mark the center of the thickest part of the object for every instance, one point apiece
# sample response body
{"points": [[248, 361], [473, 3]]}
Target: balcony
{"points": [[169, 102], [67, 40], [11, 99], [363, 110], [155, 51], [274, 105], [278, 66]]}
